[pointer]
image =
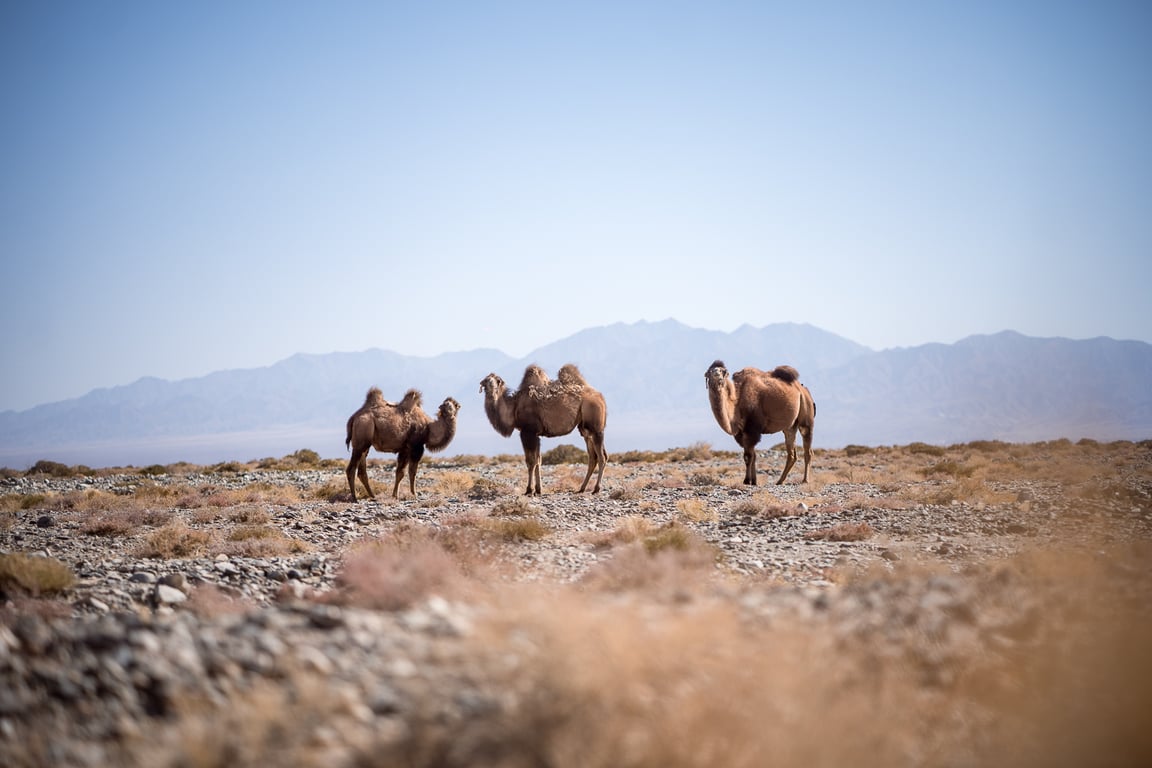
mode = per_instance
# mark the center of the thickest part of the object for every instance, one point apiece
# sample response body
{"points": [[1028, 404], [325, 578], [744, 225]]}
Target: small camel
{"points": [[402, 428], [544, 408], [754, 403]]}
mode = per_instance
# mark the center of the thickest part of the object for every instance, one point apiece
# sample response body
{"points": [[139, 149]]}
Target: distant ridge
{"points": [[1004, 386]]}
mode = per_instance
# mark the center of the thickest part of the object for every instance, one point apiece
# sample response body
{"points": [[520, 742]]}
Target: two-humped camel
{"points": [[544, 408], [402, 428], [754, 403]]}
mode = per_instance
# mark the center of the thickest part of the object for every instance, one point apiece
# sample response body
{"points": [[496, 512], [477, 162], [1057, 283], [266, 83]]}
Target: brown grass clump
{"points": [[174, 540], [484, 488], [13, 502], [764, 507], [695, 511], [208, 600], [123, 522], [396, 572], [514, 506], [259, 541], [517, 530], [842, 532], [33, 575]]}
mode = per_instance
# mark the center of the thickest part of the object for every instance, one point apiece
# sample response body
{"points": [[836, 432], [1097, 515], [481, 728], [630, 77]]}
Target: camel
{"points": [[545, 408], [402, 428], [755, 402]]}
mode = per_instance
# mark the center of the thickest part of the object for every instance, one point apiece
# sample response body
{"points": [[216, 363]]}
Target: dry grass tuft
{"points": [[695, 511], [208, 600], [396, 572], [259, 541], [514, 506], [174, 540], [123, 522], [484, 488], [765, 507], [33, 575], [518, 529], [842, 532]]}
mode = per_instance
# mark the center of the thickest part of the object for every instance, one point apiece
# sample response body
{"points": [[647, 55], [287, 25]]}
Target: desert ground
{"points": [[972, 605]]}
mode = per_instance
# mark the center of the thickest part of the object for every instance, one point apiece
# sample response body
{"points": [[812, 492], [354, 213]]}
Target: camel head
{"points": [[716, 375], [492, 384], [449, 408]]}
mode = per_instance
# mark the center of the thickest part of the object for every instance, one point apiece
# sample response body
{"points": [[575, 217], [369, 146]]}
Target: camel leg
{"points": [[790, 445], [597, 459], [413, 463], [749, 442], [807, 435], [401, 465], [359, 466], [531, 443], [351, 473]]}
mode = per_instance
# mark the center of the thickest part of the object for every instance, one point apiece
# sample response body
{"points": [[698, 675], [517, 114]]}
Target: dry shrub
{"points": [[606, 685], [695, 510], [284, 723], [760, 506], [208, 600], [396, 572], [13, 502], [661, 572], [675, 536], [174, 540], [259, 541], [123, 522], [514, 506], [706, 477], [33, 575], [616, 682], [627, 492], [453, 483], [517, 530], [950, 468], [484, 488], [842, 532], [249, 514], [630, 528], [254, 493], [332, 491]]}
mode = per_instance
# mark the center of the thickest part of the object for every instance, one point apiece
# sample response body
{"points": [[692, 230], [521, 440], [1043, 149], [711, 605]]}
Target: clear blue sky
{"points": [[187, 187]]}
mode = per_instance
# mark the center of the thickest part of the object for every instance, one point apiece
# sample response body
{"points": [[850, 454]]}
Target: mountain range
{"points": [[1004, 386]]}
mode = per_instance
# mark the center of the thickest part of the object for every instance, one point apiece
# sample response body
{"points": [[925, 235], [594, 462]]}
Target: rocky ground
{"points": [[984, 604]]}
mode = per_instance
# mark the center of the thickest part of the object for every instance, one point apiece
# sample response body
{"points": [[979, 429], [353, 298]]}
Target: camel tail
{"points": [[786, 374]]}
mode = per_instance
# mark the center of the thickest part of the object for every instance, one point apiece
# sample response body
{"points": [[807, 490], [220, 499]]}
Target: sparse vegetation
{"points": [[174, 540], [842, 532], [34, 575], [670, 640]]}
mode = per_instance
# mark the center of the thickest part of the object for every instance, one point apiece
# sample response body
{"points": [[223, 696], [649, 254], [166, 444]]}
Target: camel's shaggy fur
{"points": [[754, 403], [545, 408], [402, 428]]}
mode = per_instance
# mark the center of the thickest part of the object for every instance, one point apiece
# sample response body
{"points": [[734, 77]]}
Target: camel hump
{"points": [[534, 376], [570, 375], [412, 399], [786, 374], [374, 397]]}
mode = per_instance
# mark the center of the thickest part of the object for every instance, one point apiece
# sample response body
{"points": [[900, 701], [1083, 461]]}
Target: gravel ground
{"points": [[390, 632]]}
